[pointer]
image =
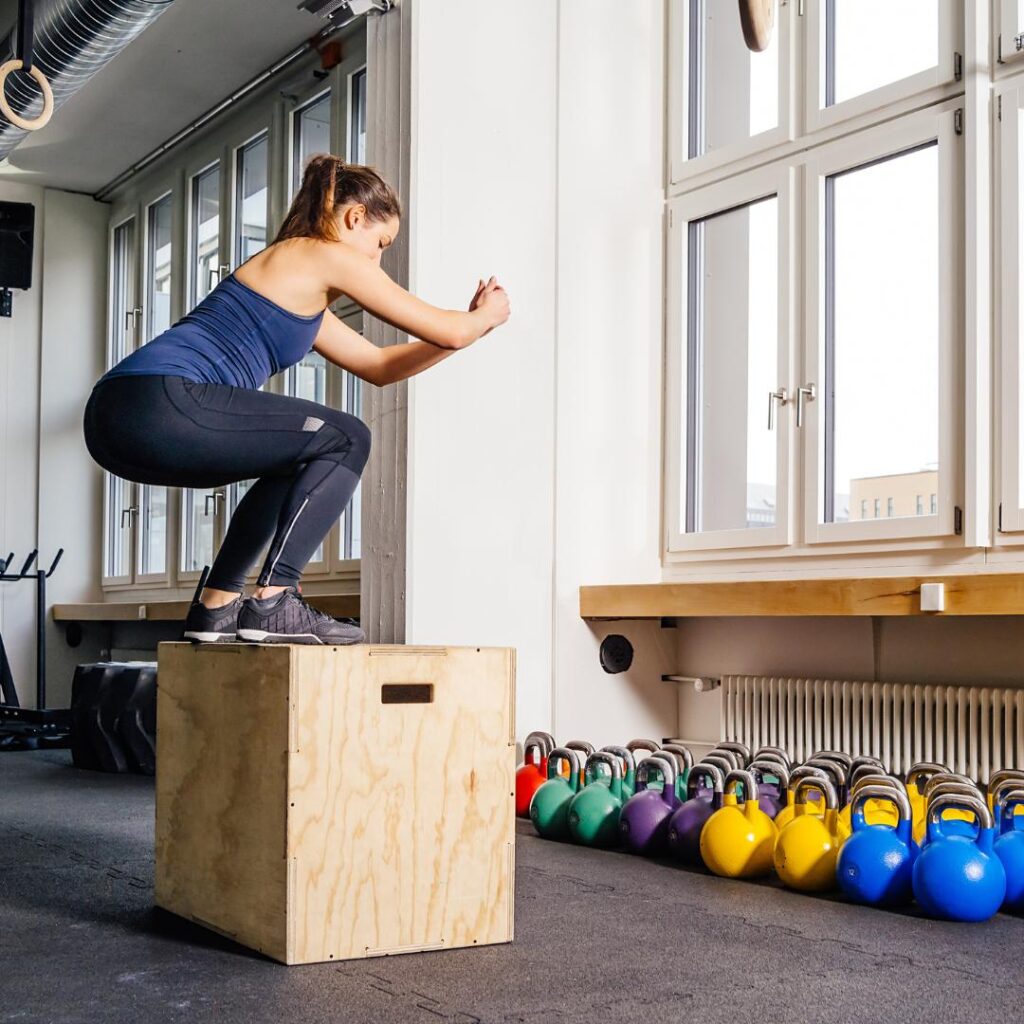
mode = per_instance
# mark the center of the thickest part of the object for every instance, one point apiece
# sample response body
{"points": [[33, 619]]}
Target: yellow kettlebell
{"points": [[737, 841], [808, 847], [803, 771]]}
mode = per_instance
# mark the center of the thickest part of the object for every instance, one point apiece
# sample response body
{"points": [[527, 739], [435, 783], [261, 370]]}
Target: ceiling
{"points": [[193, 56]]}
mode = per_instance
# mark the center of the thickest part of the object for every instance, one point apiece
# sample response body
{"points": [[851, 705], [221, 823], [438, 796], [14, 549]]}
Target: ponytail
{"points": [[328, 183]]}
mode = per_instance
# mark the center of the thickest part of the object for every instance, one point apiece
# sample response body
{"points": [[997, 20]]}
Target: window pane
{"points": [[197, 540], [122, 292], [152, 529], [308, 379], [358, 119], [732, 354], [251, 202], [734, 92], [159, 263], [882, 419], [205, 232], [117, 549], [312, 128], [871, 43]]}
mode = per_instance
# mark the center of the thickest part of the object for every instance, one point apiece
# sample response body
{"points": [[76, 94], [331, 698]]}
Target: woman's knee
{"points": [[357, 437]]}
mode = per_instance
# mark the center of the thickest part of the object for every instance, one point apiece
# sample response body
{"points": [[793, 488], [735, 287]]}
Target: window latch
{"points": [[779, 396], [808, 393]]}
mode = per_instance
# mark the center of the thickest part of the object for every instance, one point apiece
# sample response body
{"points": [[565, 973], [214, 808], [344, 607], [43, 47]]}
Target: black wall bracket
{"points": [[6, 302]]}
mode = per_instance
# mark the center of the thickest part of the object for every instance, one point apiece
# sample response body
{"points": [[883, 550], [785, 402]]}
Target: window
{"points": [[124, 315], [728, 439], [883, 237], [251, 199], [919, 505], [159, 260], [889, 509], [311, 135], [729, 100], [357, 141], [934, 505], [205, 234], [864, 508], [878, 507]]}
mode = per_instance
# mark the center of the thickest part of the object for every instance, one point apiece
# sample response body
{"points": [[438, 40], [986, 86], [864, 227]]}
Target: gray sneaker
{"points": [[285, 618]]}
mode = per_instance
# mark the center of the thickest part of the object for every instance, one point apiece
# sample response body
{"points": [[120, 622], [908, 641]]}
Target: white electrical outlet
{"points": [[933, 597]]}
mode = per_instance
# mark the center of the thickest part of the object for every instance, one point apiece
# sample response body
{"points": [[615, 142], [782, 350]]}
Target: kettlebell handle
{"points": [[625, 754], [741, 775], [1005, 808], [665, 766], [877, 780], [830, 765], [834, 755], [943, 778], [821, 785], [740, 748], [536, 741], [641, 744], [568, 755], [874, 791], [961, 802], [762, 767], [705, 770], [685, 758], [925, 769], [778, 751], [604, 757]]}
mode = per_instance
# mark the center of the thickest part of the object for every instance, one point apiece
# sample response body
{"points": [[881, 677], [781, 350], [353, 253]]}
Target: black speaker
{"points": [[17, 226]]}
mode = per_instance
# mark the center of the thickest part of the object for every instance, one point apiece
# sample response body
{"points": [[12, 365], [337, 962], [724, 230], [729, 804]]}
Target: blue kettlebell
{"points": [[959, 877], [958, 823], [1009, 846], [876, 863]]}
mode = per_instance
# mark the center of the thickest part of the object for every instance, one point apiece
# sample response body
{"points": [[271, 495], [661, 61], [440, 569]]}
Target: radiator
{"points": [[973, 730]]}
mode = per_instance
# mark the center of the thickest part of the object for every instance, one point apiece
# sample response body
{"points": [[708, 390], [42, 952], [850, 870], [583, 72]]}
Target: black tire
{"points": [[113, 717]]}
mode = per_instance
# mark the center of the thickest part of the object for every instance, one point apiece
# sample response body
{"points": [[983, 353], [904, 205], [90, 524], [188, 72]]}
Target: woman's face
{"points": [[370, 237]]}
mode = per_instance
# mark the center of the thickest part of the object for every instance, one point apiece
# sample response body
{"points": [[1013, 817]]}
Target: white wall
{"points": [[51, 353], [537, 157]]}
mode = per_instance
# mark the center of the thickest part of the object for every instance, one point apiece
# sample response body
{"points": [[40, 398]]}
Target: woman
{"points": [[185, 410]]}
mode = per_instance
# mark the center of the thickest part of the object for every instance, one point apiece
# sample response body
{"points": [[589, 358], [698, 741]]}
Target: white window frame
{"points": [[236, 184], [1009, 241], [1006, 26], [817, 116], [773, 180], [850, 152], [681, 167], [296, 111]]}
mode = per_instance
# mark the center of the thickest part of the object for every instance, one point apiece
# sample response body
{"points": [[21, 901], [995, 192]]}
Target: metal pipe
{"points": [[72, 40]]}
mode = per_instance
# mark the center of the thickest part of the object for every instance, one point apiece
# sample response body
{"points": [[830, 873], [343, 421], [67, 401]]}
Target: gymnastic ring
{"points": [[757, 18], [5, 108]]}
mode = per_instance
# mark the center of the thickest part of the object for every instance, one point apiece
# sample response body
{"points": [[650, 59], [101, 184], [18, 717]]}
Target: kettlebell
{"points": [[625, 755], [772, 778], [549, 808], [741, 750], [530, 775], [594, 810], [1009, 845], [684, 762], [643, 823], [876, 812], [802, 771], [959, 877], [876, 863], [958, 821], [687, 822], [737, 841], [920, 772], [808, 847], [777, 752]]}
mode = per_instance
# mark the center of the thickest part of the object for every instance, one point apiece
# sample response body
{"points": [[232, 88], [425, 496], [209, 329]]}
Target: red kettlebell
{"points": [[533, 772]]}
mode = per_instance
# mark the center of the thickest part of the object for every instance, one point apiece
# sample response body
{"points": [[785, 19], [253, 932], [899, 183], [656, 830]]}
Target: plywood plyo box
{"points": [[326, 803]]}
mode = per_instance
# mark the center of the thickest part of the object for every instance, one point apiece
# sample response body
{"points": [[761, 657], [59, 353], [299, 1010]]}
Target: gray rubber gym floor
{"points": [[600, 937]]}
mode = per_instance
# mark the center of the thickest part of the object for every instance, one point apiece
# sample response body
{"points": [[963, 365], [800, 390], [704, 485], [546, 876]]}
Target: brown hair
{"points": [[328, 183]]}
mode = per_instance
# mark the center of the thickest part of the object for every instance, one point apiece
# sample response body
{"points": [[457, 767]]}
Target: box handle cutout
{"points": [[407, 693]]}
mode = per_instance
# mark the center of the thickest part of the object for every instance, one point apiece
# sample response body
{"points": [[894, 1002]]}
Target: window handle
{"points": [[132, 510], [215, 497], [808, 393], [779, 396]]}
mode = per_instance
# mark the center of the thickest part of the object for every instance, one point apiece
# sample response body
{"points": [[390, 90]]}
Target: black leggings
{"points": [[168, 431]]}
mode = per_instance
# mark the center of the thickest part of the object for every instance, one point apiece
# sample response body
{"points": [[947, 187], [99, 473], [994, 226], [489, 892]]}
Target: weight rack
{"points": [[26, 728]]}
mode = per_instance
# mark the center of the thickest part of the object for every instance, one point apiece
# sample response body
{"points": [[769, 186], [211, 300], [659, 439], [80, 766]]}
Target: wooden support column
{"points": [[388, 149]]}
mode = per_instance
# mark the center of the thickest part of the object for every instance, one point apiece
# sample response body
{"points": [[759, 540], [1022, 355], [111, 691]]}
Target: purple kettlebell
{"points": [[687, 822], [643, 823], [772, 780]]}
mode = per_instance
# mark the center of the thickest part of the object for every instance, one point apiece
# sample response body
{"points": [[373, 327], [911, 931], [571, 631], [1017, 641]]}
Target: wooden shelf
{"points": [[338, 605], [979, 594]]}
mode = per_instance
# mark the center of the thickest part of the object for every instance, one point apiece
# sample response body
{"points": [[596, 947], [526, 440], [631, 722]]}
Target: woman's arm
{"points": [[344, 347], [364, 281]]}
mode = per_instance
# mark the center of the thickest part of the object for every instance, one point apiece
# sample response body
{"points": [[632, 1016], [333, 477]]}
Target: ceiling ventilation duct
{"points": [[73, 39]]}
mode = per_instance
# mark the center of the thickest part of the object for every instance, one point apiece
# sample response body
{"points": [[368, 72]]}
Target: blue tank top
{"points": [[234, 336]]}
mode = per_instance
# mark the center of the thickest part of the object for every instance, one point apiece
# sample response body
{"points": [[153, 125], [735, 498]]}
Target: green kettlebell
{"points": [[595, 809], [625, 755], [549, 808]]}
